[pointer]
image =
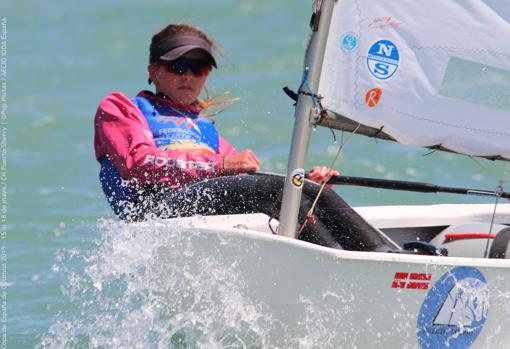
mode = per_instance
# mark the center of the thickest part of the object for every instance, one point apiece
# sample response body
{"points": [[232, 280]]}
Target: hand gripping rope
{"points": [[320, 114], [309, 216]]}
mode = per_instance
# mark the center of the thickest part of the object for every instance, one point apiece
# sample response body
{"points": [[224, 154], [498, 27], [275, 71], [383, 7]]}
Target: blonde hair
{"points": [[213, 105]]}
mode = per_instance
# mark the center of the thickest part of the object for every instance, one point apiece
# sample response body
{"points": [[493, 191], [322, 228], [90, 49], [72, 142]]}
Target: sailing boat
{"points": [[405, 71]]}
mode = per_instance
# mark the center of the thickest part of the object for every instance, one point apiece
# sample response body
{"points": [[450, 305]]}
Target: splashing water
{"points": [[138, 290], [170, 285]]}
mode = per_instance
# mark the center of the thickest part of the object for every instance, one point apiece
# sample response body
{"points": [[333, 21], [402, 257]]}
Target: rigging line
{"points": [[488, 173], [309, 215], [430, 152], [505, 172], [499, 190], [332, 133], [328, 125], [306, 84], [320, 111], [312, 208], [274, 231]]}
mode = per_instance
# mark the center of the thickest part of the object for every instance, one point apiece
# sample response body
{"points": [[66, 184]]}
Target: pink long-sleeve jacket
{"points": [[150, 140]]}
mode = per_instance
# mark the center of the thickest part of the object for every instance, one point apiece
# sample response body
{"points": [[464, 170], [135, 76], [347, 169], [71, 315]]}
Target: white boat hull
{"points": [[304, 295]]}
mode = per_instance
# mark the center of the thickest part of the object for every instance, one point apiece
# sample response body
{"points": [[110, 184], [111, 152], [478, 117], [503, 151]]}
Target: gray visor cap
{"points": [[177, 45]]}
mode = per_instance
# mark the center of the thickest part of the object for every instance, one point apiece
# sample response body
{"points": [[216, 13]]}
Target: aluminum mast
{"points": [[304, 116]]}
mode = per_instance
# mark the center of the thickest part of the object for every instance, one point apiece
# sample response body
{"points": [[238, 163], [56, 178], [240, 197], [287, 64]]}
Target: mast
{"points": [[303, 122]]}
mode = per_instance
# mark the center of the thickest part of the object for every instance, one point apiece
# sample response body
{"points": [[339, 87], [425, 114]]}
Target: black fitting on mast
{"points": [[316, 15], [314, 21], [293, 95]]}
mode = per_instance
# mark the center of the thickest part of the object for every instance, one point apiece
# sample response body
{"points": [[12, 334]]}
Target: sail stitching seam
{"points": [[456, 48], [445, 123]]}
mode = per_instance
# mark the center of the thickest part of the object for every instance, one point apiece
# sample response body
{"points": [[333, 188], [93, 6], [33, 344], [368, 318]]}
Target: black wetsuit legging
{"points": [[336, 224]]}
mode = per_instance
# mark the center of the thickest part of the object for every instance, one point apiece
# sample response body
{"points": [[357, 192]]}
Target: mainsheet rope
{"points": [[319, 109], [486, 170], [309, 215], [498, 191]]}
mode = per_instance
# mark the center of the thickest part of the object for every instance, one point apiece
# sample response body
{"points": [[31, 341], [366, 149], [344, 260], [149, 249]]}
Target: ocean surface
{"points": [[63, 57]]}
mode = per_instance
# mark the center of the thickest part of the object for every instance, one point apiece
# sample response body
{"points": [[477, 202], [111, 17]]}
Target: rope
{"points": [[319, 109], [309, 215], [316, 99], [499, 190], [486, 170], [275, 232], [306, 84]]}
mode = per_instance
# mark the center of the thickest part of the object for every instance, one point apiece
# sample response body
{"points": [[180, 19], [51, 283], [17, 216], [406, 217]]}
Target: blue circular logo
{"points": [[383, 59], [454, 311], [349, 42]]}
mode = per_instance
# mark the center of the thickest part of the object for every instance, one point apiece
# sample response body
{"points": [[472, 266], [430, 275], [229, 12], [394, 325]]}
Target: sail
{"points": [[430, 73]]}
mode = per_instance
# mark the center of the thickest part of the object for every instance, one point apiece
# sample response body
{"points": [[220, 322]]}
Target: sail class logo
{"points": [[383, 59], [349, 42], [454, 310]]}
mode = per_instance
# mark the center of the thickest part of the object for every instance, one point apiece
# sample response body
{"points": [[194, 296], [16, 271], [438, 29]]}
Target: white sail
{"points": [[429, 73]]}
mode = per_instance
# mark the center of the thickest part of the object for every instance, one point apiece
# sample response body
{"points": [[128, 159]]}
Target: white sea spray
{"points": [[137, 289]]}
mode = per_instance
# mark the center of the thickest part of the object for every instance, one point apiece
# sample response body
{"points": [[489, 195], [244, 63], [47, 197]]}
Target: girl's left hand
{"points": [[321, 174]]}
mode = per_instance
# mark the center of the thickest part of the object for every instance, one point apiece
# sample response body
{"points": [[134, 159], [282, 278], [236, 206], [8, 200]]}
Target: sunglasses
{"points": [[181, 65]]}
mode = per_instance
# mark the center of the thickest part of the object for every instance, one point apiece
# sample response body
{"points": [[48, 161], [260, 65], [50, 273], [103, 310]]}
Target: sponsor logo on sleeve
{"points": [[182, 164], [383, 59], [349, 42], [454, 310]]}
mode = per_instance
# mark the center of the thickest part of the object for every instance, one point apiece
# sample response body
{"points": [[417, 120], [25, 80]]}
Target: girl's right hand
{"points": [[242, 162]]}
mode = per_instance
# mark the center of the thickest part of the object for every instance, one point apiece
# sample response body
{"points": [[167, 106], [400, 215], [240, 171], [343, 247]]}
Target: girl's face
{"points": [[181, 80]]}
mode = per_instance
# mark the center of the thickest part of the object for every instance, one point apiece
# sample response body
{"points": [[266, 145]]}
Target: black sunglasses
{"points": [[181, 65]]}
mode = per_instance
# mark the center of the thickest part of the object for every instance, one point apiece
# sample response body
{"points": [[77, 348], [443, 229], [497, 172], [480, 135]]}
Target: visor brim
{"points": [[182, 50]]}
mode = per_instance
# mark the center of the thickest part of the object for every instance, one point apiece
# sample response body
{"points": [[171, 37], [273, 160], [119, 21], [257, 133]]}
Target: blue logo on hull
{"points": [[454, 310], [383, 59]]}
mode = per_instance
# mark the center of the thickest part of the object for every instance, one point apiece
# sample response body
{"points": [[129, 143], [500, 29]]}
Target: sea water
{"points": [[75, 277]]}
